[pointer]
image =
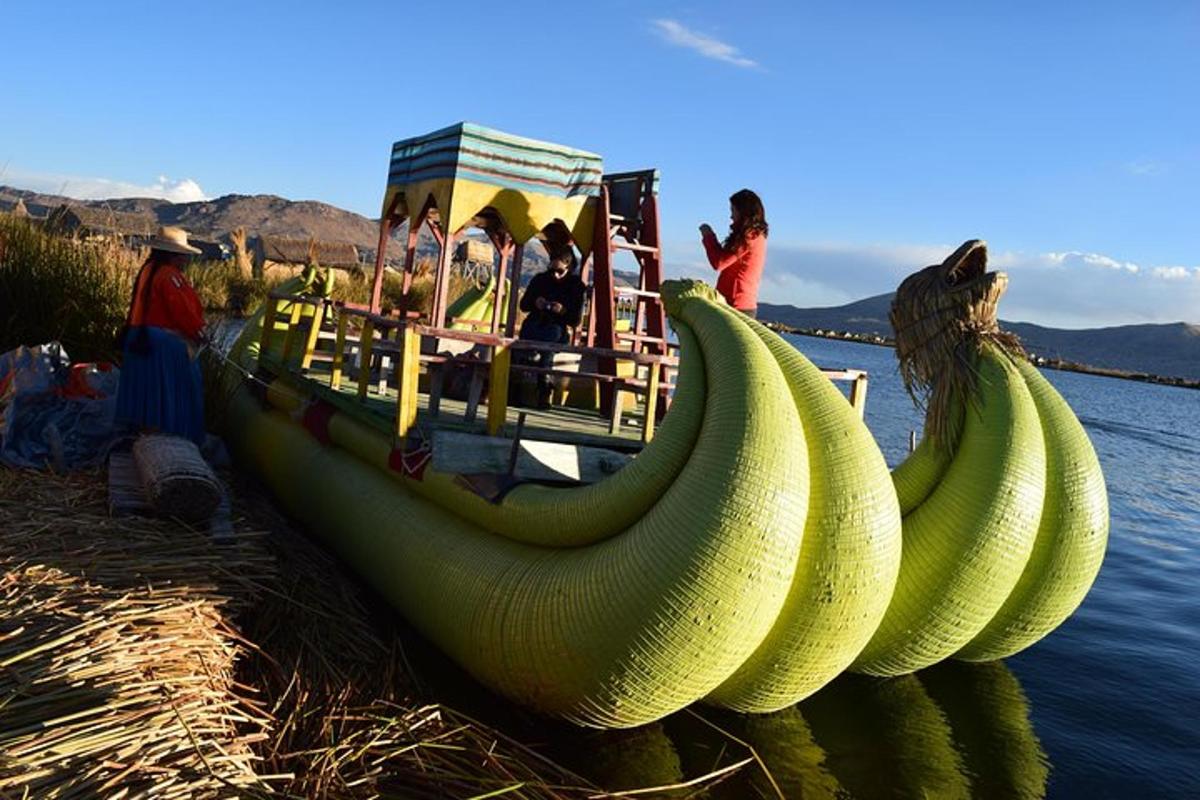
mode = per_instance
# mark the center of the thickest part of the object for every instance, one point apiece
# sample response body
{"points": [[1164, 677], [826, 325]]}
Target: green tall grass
{"points": [[76, 292], [52, 288]]}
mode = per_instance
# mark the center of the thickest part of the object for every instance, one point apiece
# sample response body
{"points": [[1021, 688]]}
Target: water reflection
{"points": [[957, 730]]}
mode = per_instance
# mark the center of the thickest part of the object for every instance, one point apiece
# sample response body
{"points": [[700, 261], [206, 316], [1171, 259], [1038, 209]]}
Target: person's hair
{"points": [[567, 255], [753, 218]]}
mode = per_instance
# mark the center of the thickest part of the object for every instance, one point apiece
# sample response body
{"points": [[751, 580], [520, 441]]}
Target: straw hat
{"points": [[173, 240]]}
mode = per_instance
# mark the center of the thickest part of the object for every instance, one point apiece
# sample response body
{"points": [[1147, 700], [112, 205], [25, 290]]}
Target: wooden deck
{"points": [[557, 424], [402, 356]]}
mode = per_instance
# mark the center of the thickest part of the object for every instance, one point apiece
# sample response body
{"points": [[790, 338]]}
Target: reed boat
{"points": [[701, 514]]}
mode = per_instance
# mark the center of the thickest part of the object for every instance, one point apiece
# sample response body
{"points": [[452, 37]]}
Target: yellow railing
{"points": [[379, 335]]}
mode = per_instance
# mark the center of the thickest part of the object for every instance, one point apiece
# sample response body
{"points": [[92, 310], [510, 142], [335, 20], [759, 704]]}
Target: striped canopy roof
{"points": [[467, 168]]}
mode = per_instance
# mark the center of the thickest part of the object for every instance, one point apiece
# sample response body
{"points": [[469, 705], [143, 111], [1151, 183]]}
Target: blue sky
{"points": [[880, 135]]}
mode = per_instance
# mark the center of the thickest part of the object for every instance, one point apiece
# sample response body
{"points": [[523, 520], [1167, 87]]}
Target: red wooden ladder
{"points": [[627, 219]]}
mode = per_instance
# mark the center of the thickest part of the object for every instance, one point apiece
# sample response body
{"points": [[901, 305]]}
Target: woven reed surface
{"points": [[1071, 539], [179, 483], [918, 475], [849, 558], [614, 634], [966, 546]]}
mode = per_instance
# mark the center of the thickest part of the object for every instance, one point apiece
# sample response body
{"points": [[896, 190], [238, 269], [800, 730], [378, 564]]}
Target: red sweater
{"points": [[740, 268], [170, 302]]}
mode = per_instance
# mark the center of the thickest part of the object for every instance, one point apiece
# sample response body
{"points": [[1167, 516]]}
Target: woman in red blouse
{"points": [[161, 388], [740, 258]]}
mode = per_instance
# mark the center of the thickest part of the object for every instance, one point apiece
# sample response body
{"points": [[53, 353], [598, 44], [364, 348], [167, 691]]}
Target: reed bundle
{"points": [[942, 317], [117, 653]]}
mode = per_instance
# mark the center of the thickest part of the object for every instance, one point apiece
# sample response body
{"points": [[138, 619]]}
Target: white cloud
{"points": [[1092, 259], [184, 190], [679, 35], [1146, 166], [1176, 273], [1074, 289]]}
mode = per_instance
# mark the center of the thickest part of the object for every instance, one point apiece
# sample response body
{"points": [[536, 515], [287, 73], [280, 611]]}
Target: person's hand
{"points": [[540, 304], [556, 308], [706, 230]]}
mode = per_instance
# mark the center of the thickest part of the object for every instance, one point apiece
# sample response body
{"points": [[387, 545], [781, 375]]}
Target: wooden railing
{"points": [[376, 336]]}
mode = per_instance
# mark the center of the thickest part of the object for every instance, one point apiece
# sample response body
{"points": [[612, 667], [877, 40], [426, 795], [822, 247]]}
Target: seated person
{"points": [[554, 302]]}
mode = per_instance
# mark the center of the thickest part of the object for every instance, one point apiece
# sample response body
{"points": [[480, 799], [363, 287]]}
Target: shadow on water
{"points": [[955, 730]]}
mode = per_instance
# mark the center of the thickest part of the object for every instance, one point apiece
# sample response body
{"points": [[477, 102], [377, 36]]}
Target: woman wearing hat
{"points": [[161, 389]]}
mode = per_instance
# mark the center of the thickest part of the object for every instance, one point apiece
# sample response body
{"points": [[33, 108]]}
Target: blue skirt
{"points": [[161, 388]]}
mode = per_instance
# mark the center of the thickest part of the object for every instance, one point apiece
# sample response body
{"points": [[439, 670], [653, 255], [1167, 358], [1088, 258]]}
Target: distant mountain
{"points": [[213, 219], [1171, 349], [868, 316], [258, 214]]}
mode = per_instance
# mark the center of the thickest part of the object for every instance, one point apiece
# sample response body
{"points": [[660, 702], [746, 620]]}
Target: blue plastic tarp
{"points": [[52, 414]]}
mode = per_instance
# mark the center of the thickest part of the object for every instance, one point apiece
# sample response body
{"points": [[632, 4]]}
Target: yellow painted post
{"points": [[408, 370], [651, 403], [339, 352], [289, 339], [858, 395], [268, 327], [364, 360], [314, 333], [498, 390]]}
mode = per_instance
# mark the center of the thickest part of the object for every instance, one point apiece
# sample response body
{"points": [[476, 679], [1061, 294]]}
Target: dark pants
{"points": [[537, 331]]}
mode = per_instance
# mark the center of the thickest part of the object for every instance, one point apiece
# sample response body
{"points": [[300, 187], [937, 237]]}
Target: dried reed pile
{"points": [[117, 653]]}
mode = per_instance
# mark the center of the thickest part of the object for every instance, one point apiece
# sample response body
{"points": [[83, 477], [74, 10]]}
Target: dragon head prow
{"points": [[942, 317]]}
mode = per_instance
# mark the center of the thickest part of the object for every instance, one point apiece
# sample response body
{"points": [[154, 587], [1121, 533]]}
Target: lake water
{"points": [[1108, 706]]}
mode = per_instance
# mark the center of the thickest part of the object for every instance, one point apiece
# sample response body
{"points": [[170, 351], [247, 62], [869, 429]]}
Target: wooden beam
{"points": [[314, 333], [614, 413], [498, 300], [652, 270], [651, 404], [858, 395], [603, 299], [364, 358], [289, 338], [410, 258], [268, 327], [498, 390], [386, 223], [441, 282], [408, 370], [339, 352], [514, 297]]}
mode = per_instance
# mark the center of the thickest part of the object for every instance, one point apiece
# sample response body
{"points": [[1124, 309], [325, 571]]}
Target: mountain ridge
{"points": [[1170, 349]]}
